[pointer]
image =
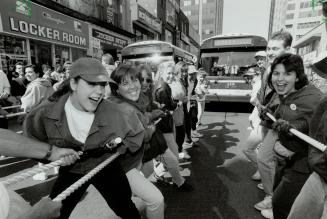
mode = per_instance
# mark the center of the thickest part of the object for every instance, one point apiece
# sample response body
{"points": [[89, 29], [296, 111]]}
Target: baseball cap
{"points": [[191, 69], [261, 53], [89, 69]]}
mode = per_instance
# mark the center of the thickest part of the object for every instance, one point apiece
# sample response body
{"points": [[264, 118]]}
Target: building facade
{"points": [[212, 16], [52, 32], [296, 16], [145, 25]]}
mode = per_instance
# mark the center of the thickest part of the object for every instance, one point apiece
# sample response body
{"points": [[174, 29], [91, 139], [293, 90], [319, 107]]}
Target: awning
{"points": [[310, 36]]}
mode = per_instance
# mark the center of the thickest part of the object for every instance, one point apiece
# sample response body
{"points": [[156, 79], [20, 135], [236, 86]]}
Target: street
{"points": [[219, 173]]}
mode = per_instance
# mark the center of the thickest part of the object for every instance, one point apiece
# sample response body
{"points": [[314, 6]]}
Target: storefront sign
{"points": [[110, 15], [42, 24], [109, 39], [145, 17]]}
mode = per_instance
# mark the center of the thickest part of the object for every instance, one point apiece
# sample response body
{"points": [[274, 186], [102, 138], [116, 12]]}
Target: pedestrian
{"points": [[77, 117], [126, 90], [255, 137], [298, 100], [37, 90], [279, 43], [201, 90]]}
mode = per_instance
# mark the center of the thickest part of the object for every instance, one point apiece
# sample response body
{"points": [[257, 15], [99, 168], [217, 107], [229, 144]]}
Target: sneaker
{"points": [[187, 145], [264, 204], [260, 186], [185, 187], [256, 176], [195, 140], [196, 134], [184, 155], [267, 213], [40, 176]]}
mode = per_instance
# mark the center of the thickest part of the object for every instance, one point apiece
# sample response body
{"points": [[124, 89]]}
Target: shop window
{"points": [[12, 50], [61, 54], [169, 36], [78, 53]]}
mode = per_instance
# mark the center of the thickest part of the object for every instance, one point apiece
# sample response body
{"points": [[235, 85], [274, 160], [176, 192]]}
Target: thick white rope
{"points": [[302, 136], [85, 178], [30, 173]]}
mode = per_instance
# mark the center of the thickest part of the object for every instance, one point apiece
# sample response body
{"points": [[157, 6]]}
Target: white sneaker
{"points": [[187, 145], [195, 140], [266, 203], [196, 134], [40, 176], [184, 155], [267, 213]]}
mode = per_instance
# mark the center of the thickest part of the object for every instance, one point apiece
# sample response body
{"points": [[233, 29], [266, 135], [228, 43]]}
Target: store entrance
{"points": [[40, 54]]}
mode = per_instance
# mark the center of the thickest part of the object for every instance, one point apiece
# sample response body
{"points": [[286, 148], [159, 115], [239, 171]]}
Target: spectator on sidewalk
{"points": [[37, 90]]}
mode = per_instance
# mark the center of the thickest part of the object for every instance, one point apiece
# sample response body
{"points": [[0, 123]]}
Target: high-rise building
{"points": [[212, 16], [295, 16]]}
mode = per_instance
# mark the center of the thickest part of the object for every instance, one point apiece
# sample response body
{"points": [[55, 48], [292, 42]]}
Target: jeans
{"points": [[112, 184], [201, 105], [145, 190], [266, 161], [312, 200], [180, 136], [251, 144], [288, 184]]}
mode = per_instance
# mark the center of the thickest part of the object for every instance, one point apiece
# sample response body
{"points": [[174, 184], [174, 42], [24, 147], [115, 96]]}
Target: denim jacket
{"points": [[48, 123]]}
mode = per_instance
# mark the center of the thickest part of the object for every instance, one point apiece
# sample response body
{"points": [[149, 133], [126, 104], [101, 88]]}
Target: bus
{"points": [[227, 59], [154, 52]]}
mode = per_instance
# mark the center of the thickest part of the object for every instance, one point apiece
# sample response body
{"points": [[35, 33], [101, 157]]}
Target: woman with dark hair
{"points": [[297, 102], [126, 91], [77, 117]]}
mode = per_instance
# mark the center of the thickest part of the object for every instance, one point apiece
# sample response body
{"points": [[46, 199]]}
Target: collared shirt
{"points": [[48, 123]]}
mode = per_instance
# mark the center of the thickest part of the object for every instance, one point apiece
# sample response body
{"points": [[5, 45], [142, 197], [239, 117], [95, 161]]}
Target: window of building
{"points": [[207, 21], [289, 16], [169, 36], [291, 6], [187, 3], [187, 13], [196, 2], [289, 26], [204, 1]]}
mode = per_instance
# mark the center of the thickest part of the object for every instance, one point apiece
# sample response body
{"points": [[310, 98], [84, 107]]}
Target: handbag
{"points": [[156, 146]]}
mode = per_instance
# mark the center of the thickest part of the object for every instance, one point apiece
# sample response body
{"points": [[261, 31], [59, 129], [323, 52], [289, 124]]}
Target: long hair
{"points": [[291, 62]]}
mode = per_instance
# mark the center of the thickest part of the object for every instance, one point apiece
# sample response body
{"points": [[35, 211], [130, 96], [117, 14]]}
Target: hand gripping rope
{"points": [[77, 184], [303, 137]]}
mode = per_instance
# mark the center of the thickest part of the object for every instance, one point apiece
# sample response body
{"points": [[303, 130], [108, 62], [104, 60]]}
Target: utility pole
{"points": [[200, 20]]}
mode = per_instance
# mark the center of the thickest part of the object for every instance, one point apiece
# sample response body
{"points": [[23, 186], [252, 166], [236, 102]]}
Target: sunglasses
{"points": [[148, 80]]}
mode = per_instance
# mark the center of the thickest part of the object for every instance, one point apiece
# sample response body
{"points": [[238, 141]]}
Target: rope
{"points": [[30, 173], [303, 137], [85, 178], [12, 115]]}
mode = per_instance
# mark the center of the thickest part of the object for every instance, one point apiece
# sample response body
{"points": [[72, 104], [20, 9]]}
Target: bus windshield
{"points": [[233, 63], [150, 61]]}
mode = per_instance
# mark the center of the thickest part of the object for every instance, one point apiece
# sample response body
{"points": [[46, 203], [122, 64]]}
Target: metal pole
{"points": [[200, 20]]}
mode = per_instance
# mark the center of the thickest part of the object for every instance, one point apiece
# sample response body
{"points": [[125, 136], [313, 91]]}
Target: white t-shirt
{"points": [[79, 122], [4, 202]]}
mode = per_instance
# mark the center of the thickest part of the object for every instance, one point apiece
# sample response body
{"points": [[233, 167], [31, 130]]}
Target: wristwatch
{"points": [[49, 152]]}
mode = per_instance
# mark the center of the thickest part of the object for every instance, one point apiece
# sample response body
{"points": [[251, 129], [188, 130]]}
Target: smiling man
{"points": [[37, 90]]}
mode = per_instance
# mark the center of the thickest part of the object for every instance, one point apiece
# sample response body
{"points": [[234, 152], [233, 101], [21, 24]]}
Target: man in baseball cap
{"points": [[261, 58], [89, 69]]}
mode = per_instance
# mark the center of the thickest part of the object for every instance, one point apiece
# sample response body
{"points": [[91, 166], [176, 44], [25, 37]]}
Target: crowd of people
{"points": [[156, 114], [288, 167]]}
